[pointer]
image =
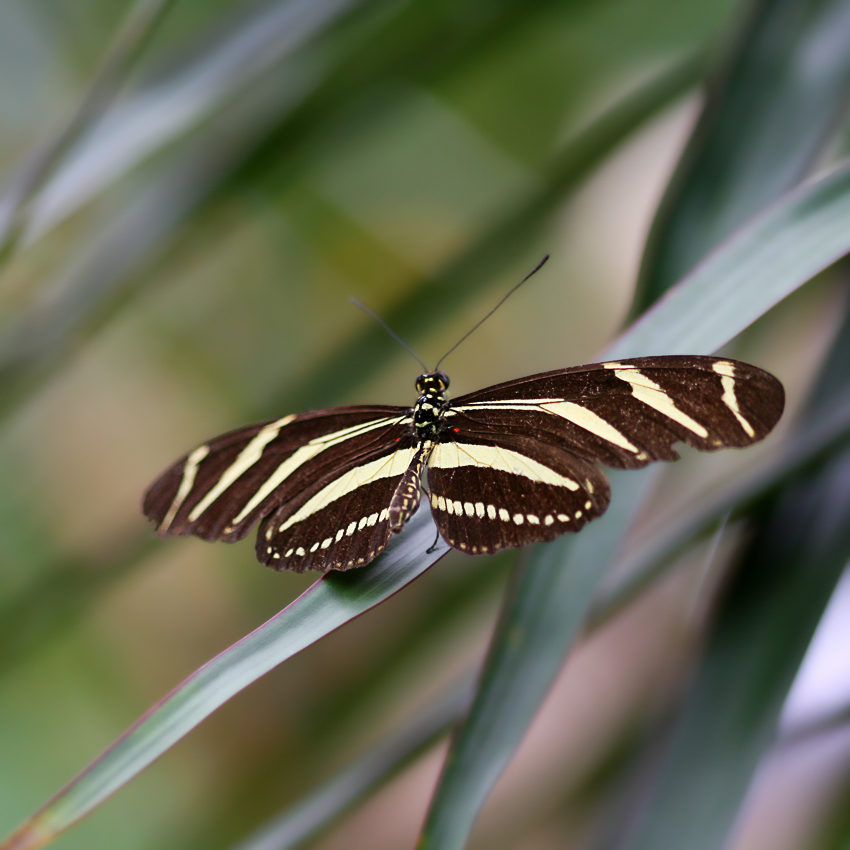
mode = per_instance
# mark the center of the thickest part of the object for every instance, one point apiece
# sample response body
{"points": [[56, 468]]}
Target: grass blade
{"points": [[133, 34], [768, 615], [767, 619], [306, 818], [156, 116], [767, 118], [701, 314], [324, 607], [800, 235]]}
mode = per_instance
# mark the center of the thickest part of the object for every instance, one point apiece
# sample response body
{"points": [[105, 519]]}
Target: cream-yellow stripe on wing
{"points": [[453, 455], [590, 421], [646, 390], [190, 470], [245, 460], [384, 467], [575, 413], [299, 458], [726, 370], [328, 440]]}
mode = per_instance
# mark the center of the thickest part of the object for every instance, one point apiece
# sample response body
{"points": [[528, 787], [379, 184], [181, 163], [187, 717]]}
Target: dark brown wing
{"points": [[629, 413], [516, 463], [347, 518], [494, 491], [219, 490]]}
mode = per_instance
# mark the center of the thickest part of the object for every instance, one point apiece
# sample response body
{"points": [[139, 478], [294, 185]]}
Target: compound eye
{"points": [[443, 378], [421, 383]]}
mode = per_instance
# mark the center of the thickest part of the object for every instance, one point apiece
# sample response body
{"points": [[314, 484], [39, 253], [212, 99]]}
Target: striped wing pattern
{"points": [[347, 520], [506, 466], [495, 482], [284, 467], [492, 491]]}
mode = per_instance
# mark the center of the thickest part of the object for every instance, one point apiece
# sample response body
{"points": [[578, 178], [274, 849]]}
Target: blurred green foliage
{"points": [[181, 231]]}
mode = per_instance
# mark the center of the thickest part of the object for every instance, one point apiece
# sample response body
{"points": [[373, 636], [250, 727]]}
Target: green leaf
{"points": [[730, 713], [792, 241], [325, 606], [784, 580], [129, 42], [306, 818], [771, 109], [763, 262], [161, 112]]}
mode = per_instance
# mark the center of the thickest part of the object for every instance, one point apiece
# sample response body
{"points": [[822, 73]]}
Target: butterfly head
{"points": [[429, 407], [433, 384]]}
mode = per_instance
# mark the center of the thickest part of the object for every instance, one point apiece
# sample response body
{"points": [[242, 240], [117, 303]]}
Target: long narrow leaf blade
{"points": [[768, 618], [705, 311], [325, 606], [785, 578], [307, 817], [767, 117], [765, 261]]}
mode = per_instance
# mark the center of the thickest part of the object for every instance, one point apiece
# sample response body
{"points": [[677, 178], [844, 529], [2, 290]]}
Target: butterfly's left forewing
{"points": [[219, 490]]}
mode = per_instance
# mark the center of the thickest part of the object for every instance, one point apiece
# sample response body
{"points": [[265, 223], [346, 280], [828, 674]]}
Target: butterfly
{"points": [[503, 467]]}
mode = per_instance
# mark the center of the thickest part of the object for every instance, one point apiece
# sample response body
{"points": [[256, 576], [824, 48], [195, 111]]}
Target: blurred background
{"points": [[191, 193]]}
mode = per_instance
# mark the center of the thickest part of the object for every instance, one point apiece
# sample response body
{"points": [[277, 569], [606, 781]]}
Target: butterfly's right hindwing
{"points": [[219, 490]]}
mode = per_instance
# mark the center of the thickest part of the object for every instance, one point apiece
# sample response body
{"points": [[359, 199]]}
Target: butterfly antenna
{"points": [[481, 322], [389, 330]]}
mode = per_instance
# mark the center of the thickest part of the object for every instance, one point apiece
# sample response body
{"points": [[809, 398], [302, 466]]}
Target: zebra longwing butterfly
{"points": [[506, 466]]}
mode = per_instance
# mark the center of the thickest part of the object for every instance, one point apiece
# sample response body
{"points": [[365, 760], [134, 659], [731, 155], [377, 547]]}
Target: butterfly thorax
{"points": [[431, 404]]}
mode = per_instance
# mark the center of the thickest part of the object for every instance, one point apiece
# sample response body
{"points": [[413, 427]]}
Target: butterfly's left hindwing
{"points": [[345, 519], [219, 490]]}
